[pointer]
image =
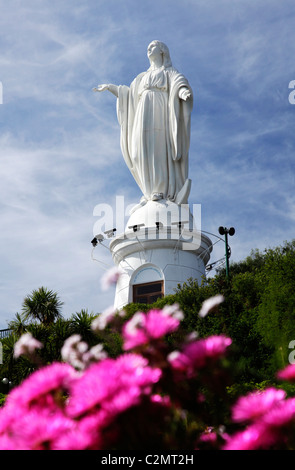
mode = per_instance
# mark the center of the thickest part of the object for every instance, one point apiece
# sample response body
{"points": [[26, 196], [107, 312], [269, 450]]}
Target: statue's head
{"points": [[165, 52]]}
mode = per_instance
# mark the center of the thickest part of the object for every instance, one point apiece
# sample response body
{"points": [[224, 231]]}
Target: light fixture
{"points": [[136, 227], [180, 224], [98, 238], [158, 225], [227, 231], [110, 233], [94, 241]]}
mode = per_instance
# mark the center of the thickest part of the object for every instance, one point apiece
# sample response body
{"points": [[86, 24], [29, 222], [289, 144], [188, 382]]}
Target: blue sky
{"points": [[59, 142]]}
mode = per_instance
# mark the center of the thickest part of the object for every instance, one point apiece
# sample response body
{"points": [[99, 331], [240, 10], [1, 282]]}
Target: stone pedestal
{"points": [[161, 242]]}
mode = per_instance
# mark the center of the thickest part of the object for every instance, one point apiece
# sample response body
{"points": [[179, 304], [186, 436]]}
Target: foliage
{"points": [[157, 394], [257, 314], [42, 305], [276, 310], [147, 397], [2, 398]]}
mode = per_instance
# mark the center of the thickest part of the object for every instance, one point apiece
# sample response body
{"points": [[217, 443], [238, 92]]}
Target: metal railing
{"points": [[5, 333]]}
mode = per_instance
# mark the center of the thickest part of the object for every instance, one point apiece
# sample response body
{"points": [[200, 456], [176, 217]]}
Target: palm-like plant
{"points": [[42, 305], [18, 325], [80, 323]]}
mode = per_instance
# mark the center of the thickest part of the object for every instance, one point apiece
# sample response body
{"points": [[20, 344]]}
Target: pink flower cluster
{"points": [[78, 404], [59, 408], [270, 418], [144, 328], [144, 397], [199, 354]]}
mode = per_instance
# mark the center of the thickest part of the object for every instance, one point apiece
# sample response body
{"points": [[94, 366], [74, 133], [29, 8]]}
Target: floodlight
{"points": [[231, 231]]}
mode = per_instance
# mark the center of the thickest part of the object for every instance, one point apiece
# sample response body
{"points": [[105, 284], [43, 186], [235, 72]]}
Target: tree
{"points": [[276, 310], [80, 323], [42, 305], [18, 326]]}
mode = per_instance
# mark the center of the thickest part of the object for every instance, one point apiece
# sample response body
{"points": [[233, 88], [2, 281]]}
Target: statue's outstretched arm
{"points": [[112, 88]]}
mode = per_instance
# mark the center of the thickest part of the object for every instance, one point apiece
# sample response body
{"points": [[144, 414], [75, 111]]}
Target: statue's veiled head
{"points": [[163, 49]]}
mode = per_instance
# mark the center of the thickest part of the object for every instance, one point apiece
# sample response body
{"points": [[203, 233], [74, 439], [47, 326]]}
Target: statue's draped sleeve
{"points": [[179, 116], [126, 108]]}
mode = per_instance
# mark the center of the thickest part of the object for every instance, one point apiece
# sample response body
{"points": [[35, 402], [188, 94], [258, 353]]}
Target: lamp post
{"points": [[226, 231]]}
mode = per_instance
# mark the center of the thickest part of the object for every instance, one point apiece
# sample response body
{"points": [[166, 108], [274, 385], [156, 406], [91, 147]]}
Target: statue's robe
{"points": [[155, 131]]}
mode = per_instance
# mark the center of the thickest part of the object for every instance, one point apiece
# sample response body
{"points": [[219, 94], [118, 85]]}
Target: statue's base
{"points": [[160, 248]]}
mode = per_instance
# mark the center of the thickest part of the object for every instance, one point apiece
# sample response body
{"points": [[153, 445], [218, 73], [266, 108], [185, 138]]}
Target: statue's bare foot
{"points": [[157, 196]]}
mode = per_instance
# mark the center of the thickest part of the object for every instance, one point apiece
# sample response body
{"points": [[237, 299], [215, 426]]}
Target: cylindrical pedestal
{"points": [[160, 248]]}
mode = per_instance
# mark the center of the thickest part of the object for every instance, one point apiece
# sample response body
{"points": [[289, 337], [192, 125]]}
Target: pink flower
{"points": [[196, 355], [256, 404], [210, 304], [73, 350], [7, 417], [112, 386], [158, 323], [39, 429], [36, 430], [142, 328], [76, 353], [133, 332], [26, 345], [179, 360], [271, 415], [7, 443], [281, 414], [42, 386], [255, 437], [209, 435], [85, 435], [162, 400], [102, 320], [110, 277], [288, 373]]}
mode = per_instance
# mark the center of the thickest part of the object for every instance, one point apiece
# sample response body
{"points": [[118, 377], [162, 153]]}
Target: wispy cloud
{"points": [[59, 142]]}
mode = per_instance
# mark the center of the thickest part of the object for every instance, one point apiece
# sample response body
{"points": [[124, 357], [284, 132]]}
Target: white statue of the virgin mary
{"points": [[154, 114]]}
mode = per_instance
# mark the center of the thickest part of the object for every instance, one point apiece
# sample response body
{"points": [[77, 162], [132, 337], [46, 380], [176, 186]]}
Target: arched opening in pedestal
{"points": [[147, 284], [148, 292]]}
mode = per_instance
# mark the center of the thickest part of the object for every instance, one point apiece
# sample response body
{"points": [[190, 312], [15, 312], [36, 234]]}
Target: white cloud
{"points": [[59, 142]]}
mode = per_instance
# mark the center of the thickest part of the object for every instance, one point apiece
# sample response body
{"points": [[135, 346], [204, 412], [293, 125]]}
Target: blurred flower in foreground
{"points": [[256, 403], [110, 277], [271, 416], [26, 345], [111, 387], [196, 354], [104, 318], [158, 394], [288, 373], [210, 304], [145, 327], [76, 352]]}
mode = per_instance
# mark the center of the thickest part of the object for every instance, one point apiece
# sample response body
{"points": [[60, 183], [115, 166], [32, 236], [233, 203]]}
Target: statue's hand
{"points": [[184, 94], [101, 87], [112, 88]]}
